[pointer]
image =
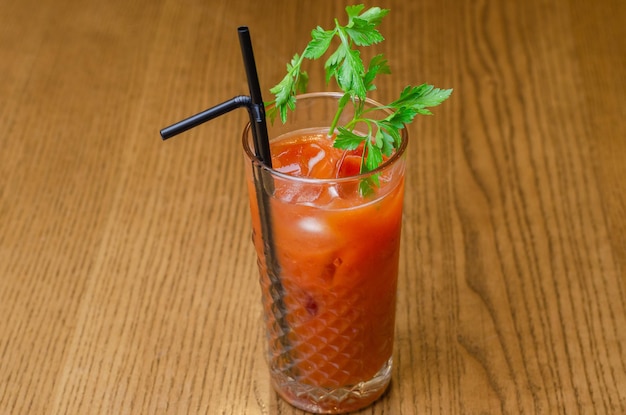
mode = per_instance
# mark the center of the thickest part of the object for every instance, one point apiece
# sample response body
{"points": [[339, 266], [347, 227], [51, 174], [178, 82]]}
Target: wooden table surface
{"points": [[128, 280]]}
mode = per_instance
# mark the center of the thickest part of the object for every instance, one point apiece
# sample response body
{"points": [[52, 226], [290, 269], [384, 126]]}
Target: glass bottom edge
{"points": [[339, 400]]}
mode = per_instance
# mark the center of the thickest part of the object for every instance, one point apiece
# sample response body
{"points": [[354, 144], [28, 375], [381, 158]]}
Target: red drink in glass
{"points": [[330, 297]]}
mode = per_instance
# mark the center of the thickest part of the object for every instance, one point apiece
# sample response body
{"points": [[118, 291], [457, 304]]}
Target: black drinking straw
{"points": [[263, 181], [214, 112], [257, 109]]}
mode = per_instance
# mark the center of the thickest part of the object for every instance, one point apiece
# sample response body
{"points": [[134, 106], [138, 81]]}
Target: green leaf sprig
{"points": [[355, 81]]}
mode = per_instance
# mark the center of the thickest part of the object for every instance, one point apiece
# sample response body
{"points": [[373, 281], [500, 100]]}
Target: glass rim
{"points": [[384, 166]]}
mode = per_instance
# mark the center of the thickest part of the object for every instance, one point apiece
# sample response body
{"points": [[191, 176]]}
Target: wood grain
{"points": [[127, 275]]}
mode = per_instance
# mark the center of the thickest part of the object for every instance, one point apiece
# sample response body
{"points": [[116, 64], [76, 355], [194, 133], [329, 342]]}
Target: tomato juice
{"points": [[327, 240], [336, 249]]}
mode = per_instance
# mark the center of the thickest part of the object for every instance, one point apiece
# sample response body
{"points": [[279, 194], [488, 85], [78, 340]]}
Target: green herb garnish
{"points": [[355, 80]]}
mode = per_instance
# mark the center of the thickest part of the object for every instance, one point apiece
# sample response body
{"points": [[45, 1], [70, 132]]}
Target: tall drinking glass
{"points": [[327, 240]]}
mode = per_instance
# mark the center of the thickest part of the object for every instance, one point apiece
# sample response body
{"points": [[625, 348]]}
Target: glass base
{"points": [[323, 400]]}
